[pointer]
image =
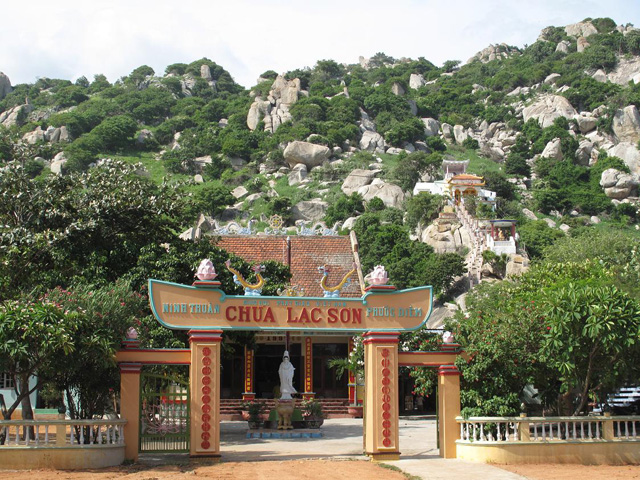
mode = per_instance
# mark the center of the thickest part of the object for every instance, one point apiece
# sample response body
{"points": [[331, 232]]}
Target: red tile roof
{"points": [[303, 255]]}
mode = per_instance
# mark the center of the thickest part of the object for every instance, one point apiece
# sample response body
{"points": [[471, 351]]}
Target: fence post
{"points": [[607, 426], [523, 429], [61, 431]]}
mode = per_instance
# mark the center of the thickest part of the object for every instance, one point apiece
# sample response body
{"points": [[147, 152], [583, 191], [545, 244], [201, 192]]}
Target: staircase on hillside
{"points": [[474, 258], [231, 408]]}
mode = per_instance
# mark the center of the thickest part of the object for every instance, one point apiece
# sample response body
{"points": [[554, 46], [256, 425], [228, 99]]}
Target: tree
{"points": [[211, 200], [89, 379], [33, 336], [422, 209], [592, 339], [89, 225], [344, 207], [552, 327], [410, 168]]}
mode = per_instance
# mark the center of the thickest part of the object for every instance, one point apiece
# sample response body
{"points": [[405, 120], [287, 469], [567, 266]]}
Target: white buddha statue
{"points": [[286, 377]]}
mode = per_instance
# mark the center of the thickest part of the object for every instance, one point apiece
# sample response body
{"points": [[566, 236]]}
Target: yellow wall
{"points": [[65, 458], [586, 453]]}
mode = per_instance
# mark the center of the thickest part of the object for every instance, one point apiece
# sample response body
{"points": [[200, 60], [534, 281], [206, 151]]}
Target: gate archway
{"points": [[205, 311]]}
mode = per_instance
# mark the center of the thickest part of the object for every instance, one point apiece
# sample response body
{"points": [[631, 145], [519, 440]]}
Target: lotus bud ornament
{"points": [[378, 276], [447, 337], [206, 270]]}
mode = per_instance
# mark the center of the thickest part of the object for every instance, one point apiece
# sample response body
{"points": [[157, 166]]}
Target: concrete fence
{"points": [[584, 440], [61, 443]]}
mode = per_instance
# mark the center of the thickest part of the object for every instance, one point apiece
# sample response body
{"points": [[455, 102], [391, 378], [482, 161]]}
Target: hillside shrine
{"points": [[205, 312]]}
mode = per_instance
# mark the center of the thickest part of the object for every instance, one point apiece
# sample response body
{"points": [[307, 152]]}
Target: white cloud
{"points": [[70, 38]]}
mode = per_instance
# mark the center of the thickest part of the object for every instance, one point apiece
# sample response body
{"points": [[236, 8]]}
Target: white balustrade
{"points": [[626, 428], [51, 433], [548, 429]]}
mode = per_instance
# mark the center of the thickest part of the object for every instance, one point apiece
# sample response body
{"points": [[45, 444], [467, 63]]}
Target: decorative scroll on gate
{"points": [[164, 414]]}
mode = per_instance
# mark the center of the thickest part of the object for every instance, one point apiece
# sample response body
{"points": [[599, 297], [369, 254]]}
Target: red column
{"points": [[381, 420], [308, 369], [204, 374], [249, 363]]}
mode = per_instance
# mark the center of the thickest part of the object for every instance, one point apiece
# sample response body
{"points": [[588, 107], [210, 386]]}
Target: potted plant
{"points": [[354, 363], [312, 413], [254, 410]]}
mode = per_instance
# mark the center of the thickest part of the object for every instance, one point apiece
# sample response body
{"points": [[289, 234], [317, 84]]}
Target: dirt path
{"points": [[266, 470]]}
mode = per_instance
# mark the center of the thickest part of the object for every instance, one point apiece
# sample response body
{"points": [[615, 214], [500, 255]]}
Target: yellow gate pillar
{"points": [[381, 422], [130, 407], [448, 409], [205, 392]]}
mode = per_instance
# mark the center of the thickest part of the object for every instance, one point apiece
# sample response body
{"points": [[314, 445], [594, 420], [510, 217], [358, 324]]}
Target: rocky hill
{"points": [[553, 127]]}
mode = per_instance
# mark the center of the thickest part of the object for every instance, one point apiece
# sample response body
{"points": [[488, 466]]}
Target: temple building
{"points": [[253, 373], [457, 184], [502, 238]]}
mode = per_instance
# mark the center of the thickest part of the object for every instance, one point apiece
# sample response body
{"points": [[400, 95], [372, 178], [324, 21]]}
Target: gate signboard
{"points": [[196, 308]]}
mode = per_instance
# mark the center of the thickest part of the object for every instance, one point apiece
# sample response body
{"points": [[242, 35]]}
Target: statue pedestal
{"points": [[285, 407]]}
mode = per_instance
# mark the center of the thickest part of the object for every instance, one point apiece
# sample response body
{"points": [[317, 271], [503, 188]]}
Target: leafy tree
{"points": [[410, 168], [89, 225], [32, 337], [546, 328], [210, 200], [176, 69], [344, 207], [422, 209], [139, 74], [103, 315], [116, 132], [537, 235]]}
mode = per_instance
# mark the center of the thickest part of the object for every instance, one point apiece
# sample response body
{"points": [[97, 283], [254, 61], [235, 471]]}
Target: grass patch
{"points": [[476, 162], [399, 470]]}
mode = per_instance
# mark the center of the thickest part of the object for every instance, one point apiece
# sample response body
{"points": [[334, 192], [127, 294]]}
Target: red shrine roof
{"points": [[303, 254]]}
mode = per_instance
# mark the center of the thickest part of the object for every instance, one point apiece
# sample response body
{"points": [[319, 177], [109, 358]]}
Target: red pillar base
{"points": [[248, 396], [308, 395]]}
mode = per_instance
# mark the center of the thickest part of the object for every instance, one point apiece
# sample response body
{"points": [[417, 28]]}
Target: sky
{"points": [[69, 38]]}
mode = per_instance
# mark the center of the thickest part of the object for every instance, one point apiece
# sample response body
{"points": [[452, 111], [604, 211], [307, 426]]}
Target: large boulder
{"points": [[16, 115], [310, 154], [584, 152], [274, 111], [626, 124], [618, 185], [416, 81], [580, 29], [446, 238], [460, 134], [627, 70], [309, 210], [397, 89], [629, 154], [392, 195], [547, 108], [431, 127], [372, 142], [5, 86], [258, 111], [58, 163], [553, 149], [34, 137], [356, 179], [581, 44], [297, 174], [586, 124]]}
